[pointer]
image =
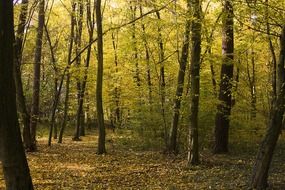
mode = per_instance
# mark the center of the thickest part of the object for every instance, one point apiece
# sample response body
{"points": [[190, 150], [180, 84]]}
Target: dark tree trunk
{"points": [[12, 155], [78, 37], [172, 147], [162, 83], [37, 74], [193, 154], [99, 84], [90, 24], [21, 100], [222, 123], [265, 153]]}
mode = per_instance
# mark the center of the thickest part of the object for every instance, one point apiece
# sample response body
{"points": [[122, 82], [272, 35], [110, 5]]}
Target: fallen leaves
{"points": [[76, 166]]}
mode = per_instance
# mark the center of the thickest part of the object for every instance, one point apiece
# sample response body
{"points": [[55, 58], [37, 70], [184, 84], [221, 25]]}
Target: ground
{"points": [[76, 166]]}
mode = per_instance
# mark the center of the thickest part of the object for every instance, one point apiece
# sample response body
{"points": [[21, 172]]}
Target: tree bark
{"points": [[193, 153], [222, 122], [265, 153], [172, 147], [14, 164], [99, 84], [37, 74], [21, 99]]}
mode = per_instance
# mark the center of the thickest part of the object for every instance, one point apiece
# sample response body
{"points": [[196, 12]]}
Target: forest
{"points": [[142, 94]]}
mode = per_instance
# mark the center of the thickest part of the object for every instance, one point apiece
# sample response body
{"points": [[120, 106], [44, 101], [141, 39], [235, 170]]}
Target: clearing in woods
{"points": [[75, 166]]}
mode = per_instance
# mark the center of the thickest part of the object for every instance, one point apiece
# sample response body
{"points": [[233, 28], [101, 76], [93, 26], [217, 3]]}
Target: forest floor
{"points": [[76, 166]]}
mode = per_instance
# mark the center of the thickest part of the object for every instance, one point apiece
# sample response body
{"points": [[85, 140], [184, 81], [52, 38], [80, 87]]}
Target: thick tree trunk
{"points": [[37, 74], [193, 154], [172, 147], [12, 155], [99, 84], [21, 100], [265, 153], [222, 123]]}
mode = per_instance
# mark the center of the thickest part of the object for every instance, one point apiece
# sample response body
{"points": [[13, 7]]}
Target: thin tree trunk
{"points": [[134, 46], [117, 90], [91, 24], [99, 84], [78, 38], [66, 101], [265, 153], [147, 58], [172, 147], [54, 105], [21, 100], [193, 154], [162, 83], [66, 107], [222, 123], [12, 155], [37, 74], [272, 51], [252, 86]]}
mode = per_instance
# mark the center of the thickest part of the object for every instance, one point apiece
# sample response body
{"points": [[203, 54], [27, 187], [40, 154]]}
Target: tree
{"points": [[266, 150], [37, 74], [99, 84], [222, 122], [193, 154], [172, 147], [14, 163], [78, 40], [21, 99], [67, 84]]}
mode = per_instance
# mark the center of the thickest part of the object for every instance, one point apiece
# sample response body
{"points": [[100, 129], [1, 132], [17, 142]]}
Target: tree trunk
{"points": [[265, 153], [99, 84], [134, 46], [78, 38], [21, 100], [56, 91], [66, 107], [117, 90], [222, 123], [37, 74], [162, 83], [15, 167], [147, 58], [172, 147], [66, 101], [193, 154]]}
